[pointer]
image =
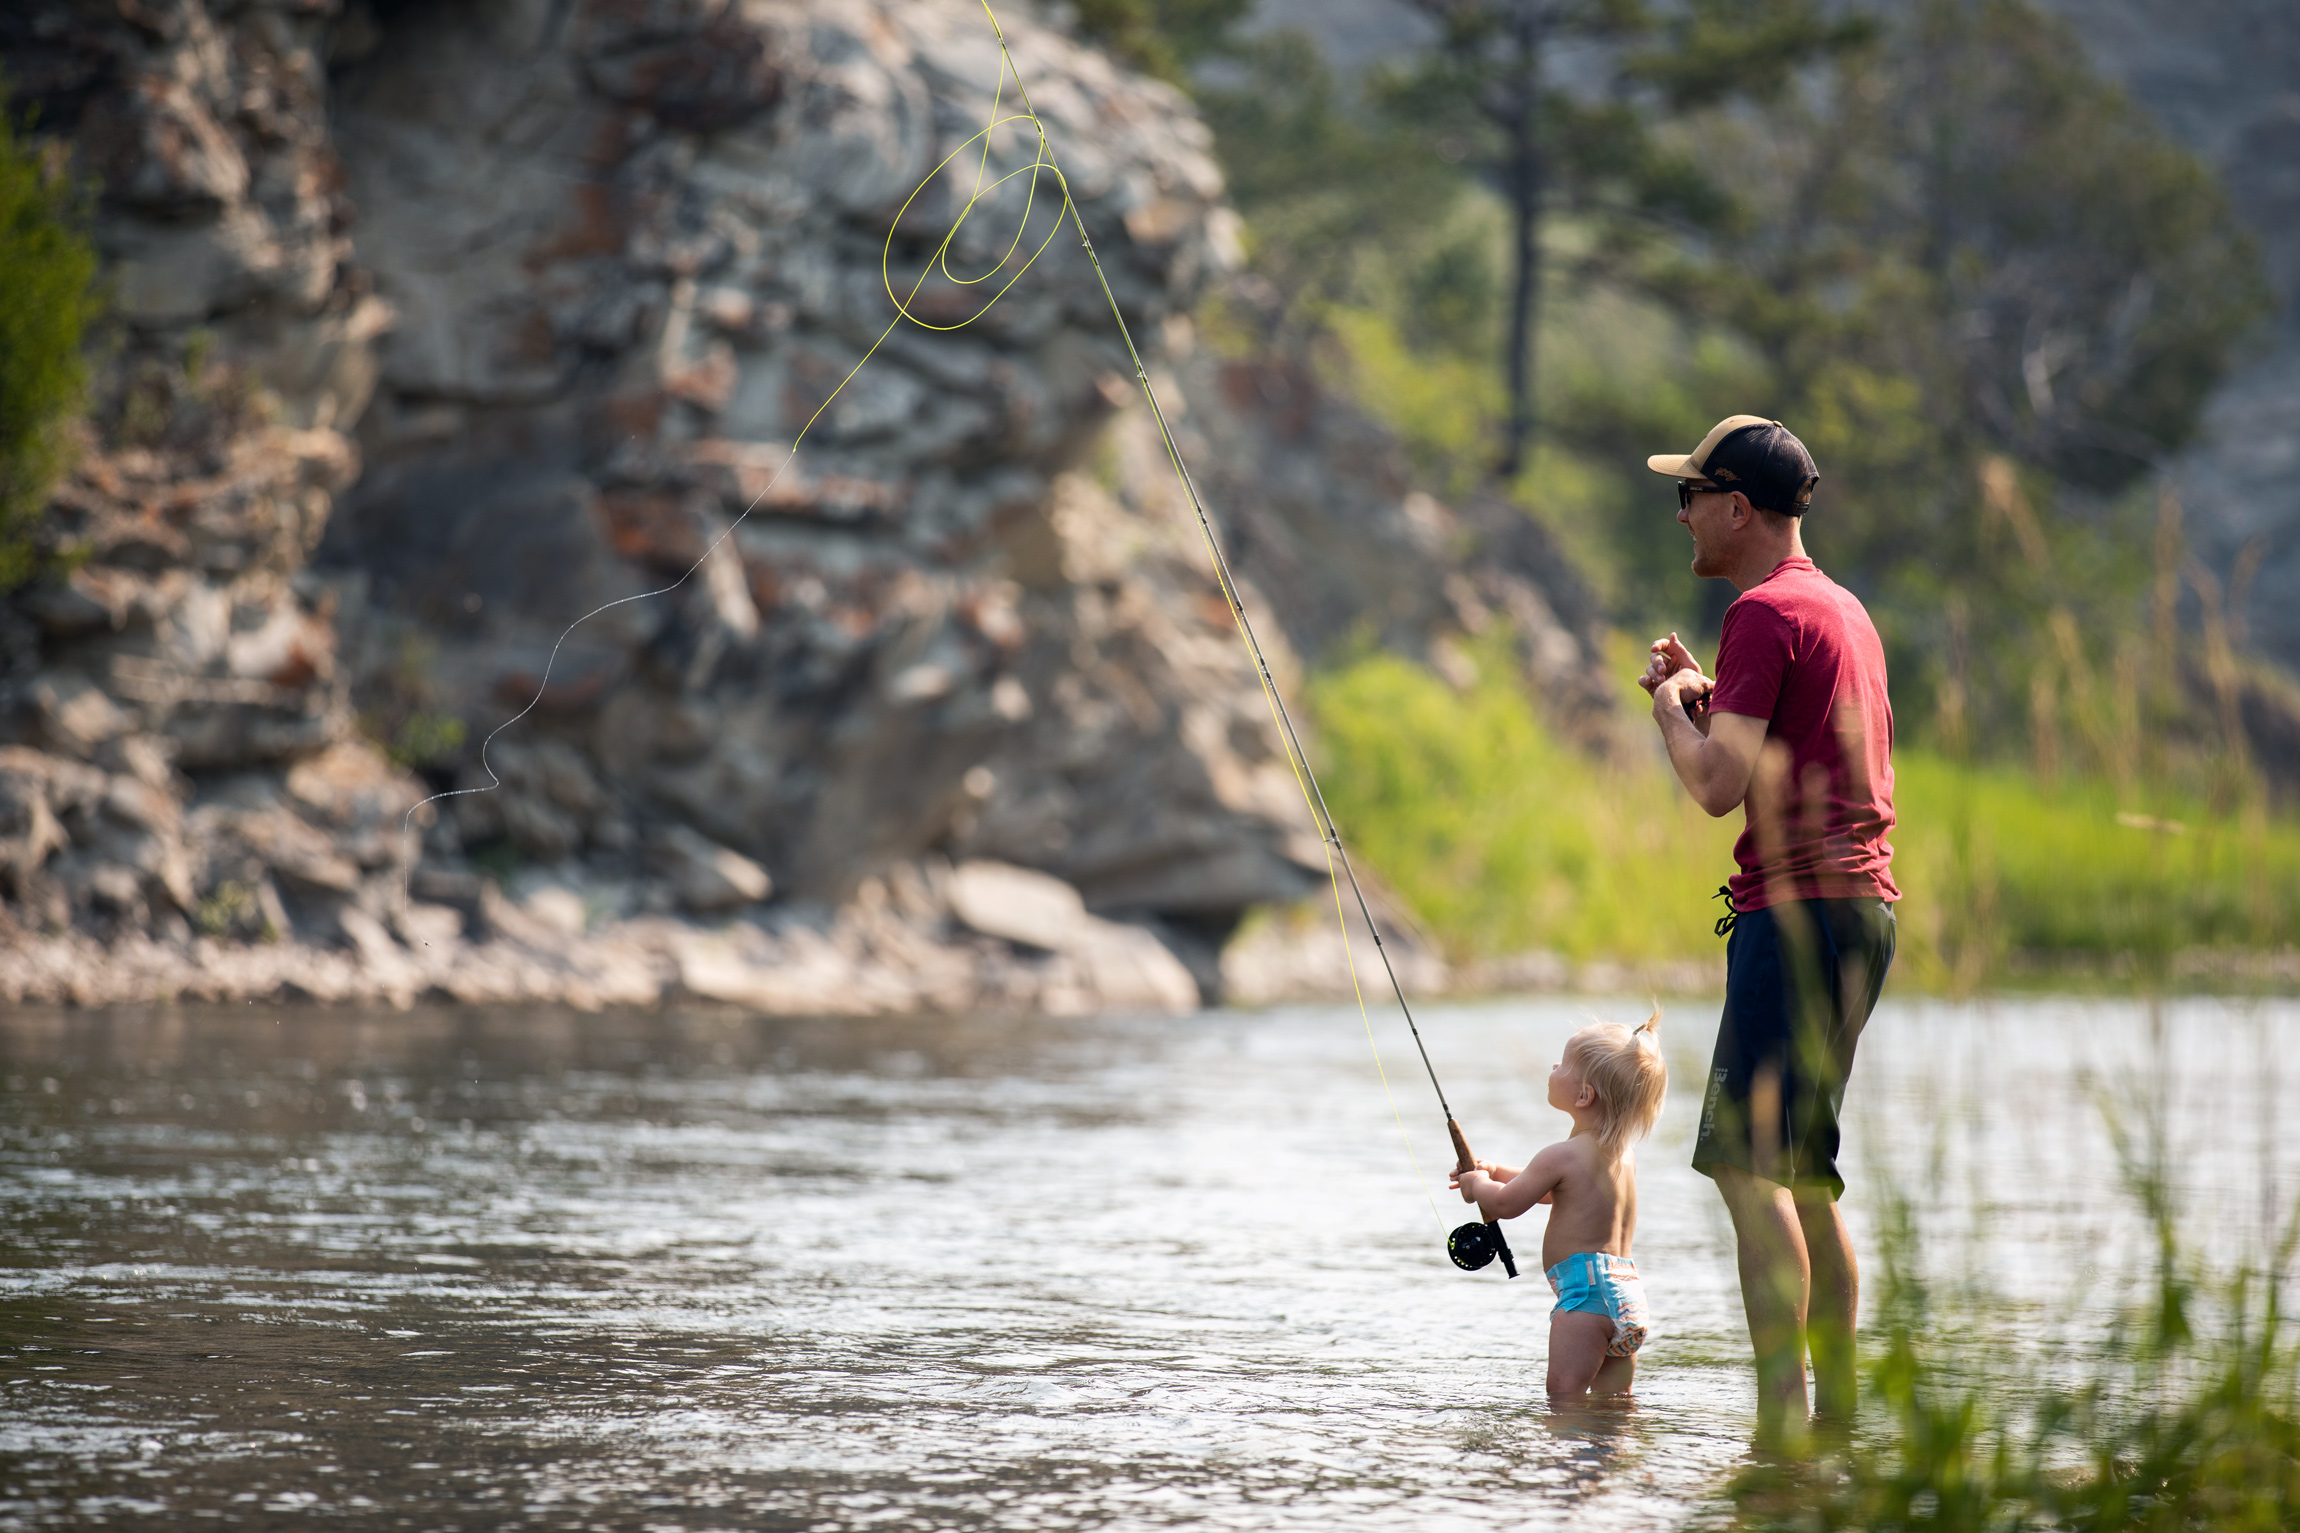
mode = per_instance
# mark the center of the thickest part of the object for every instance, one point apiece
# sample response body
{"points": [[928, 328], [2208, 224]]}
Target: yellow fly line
{"points": [[1338, 867]]}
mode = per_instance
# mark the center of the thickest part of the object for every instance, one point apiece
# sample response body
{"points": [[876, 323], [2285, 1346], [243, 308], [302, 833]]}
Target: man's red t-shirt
{"points": [[1799, 651]]}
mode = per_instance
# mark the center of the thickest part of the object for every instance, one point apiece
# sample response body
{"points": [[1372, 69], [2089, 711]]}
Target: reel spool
{"points": [[1476, 1244]]}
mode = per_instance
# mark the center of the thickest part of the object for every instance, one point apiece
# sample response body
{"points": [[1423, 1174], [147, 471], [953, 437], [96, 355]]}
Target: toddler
{"points": [[1610, 1083]]}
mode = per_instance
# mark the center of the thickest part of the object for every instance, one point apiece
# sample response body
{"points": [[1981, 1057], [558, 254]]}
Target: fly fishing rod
{"points": [[1473, 1245]]}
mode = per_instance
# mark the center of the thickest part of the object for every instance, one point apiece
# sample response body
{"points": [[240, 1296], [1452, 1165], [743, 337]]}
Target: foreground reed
{"points": [[2184, 1415]]}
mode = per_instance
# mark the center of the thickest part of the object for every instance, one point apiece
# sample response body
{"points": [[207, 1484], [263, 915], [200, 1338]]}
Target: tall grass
{"points": [[1504, 838], [2183, 1416], [1999, 868]]}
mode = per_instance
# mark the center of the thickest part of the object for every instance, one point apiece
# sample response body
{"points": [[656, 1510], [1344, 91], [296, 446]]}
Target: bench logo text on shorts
{"points": [[1709, 1103]]}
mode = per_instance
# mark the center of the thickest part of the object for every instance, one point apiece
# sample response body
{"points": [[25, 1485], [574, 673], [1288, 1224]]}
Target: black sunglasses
{"points": [[1687, 489]]}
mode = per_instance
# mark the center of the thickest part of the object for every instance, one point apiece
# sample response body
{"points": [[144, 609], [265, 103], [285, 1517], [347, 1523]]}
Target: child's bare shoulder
{"points": [[1568, 1157]]}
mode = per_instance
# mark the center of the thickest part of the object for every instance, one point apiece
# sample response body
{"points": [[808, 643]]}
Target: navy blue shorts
{"points": [[1800, 981]]}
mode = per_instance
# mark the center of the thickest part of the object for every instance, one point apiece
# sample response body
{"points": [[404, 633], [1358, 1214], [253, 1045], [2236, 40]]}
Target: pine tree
{"points": [[1588, 142]]}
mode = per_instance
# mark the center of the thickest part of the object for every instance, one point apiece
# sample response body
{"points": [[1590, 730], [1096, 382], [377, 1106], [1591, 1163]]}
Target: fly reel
{"points": [[1476, 1244]]}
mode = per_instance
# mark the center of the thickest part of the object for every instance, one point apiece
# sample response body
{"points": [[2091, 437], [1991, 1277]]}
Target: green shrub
{"points": [[1498, 835], [47, 276], [426, 740]]}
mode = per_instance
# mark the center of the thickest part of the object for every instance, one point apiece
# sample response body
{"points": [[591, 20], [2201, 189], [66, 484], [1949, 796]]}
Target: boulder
{"points": [[1018, 905], [704, 876], [1112, 965]]}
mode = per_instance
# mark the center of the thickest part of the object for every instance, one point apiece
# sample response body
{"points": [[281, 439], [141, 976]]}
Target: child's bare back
{"points": [[1610, 1083]]}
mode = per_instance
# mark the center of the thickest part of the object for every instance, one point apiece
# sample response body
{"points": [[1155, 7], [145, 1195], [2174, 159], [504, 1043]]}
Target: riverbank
{"points": [[925, 940], [928, 937]]}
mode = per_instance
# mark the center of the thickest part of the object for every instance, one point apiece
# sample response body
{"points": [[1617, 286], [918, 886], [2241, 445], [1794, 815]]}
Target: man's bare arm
{"points": [[1715, 764]]}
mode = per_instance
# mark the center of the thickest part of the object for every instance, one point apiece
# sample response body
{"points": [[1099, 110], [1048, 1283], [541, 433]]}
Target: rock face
{"points": [[635, 249], [905, 941], [444, 324]]}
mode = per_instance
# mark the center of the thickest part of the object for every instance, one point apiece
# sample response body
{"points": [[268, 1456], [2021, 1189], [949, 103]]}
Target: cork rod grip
{"points": [[1464, 1161]]}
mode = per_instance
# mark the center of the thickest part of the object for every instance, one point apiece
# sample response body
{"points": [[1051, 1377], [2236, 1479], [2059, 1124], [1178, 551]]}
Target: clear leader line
{"points": [[1470, 1250]]}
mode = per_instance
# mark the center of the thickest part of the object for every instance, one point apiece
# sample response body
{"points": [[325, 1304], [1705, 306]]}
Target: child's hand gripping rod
{"points": [[1474, 1245]]}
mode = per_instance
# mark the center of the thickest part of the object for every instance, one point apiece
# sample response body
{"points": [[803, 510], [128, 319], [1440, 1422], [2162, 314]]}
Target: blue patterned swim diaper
{"points": [[1598, 1283]]}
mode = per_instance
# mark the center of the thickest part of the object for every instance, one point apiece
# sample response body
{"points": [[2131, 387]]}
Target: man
{"points": [[1797, 730]]}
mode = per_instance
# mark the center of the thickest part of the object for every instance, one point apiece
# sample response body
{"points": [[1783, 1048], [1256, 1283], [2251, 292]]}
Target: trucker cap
{"points": [[1749, 453]]}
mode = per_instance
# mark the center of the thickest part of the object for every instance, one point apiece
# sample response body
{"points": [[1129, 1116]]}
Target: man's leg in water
{"points": [[1800, 1287], [1776, 1287], [1832, 1304]]}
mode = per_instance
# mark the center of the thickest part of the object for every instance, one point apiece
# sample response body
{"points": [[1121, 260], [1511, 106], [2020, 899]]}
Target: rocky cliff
{"points": [[441, 325], [178, 718]]}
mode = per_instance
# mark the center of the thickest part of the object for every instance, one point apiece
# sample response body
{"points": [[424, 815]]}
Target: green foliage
{"points": [[1996, 865], [232, 905], [1449, 299], [235, 909], [1709, 51], [1928, 238], [1500, 838], [400, 708], [1965, 250], [1623, 376], [1497, 835], [1487, 90], [1594, 150], [47, 277], [426, 739], [1335, 199], [1437, 402]]}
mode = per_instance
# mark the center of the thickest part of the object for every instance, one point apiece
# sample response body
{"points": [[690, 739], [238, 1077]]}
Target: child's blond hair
{"points": [[1623, 1066]]}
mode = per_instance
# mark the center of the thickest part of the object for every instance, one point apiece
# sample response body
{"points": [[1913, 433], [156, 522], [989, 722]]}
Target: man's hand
{"points": [[1668, 657], [1467, 1183], [1684, 689]]}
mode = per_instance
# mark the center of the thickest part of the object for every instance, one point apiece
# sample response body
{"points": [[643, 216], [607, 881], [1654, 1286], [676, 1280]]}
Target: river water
{"points": [[304, 1268]]}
